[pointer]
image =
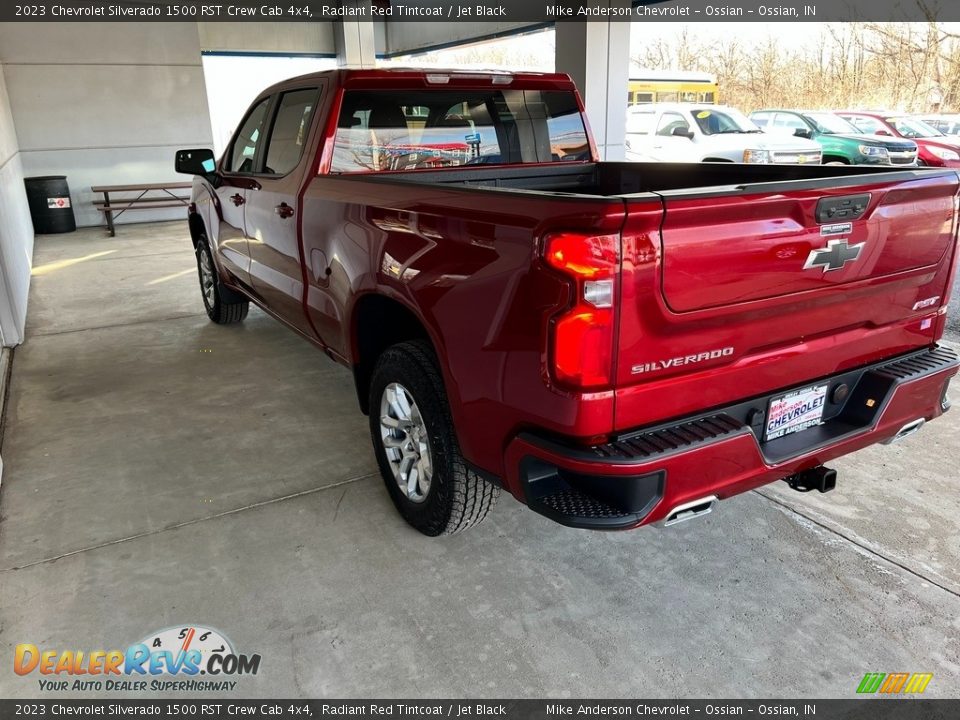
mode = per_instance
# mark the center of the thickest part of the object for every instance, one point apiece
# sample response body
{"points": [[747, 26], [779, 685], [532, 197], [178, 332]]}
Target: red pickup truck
{"points": [[615, 344]]}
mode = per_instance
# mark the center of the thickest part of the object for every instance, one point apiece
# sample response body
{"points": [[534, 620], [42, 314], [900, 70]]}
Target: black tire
{"points": [[223, 306], [457, 498]]}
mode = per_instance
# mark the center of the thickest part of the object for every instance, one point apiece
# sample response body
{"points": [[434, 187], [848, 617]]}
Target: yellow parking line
{"points": [[171, 277], [60, 264]]}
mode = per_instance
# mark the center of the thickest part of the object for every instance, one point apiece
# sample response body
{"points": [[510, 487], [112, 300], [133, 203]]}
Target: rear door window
{"points": [[291, 129], [865, 124], [640, 123], [788, 120]]}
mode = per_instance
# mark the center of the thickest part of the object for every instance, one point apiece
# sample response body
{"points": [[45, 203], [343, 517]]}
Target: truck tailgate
{"points": [[725, 250], [747, 289]]}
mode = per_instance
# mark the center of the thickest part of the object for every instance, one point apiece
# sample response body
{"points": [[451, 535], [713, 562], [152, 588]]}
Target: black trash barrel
{"points": [[50, 209]]}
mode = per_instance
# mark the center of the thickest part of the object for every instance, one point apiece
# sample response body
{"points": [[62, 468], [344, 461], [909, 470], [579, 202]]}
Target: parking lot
{"points": [[138, 494]]}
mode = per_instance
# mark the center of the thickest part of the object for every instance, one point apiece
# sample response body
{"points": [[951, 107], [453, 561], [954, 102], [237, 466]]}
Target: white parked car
{"points": [[673, 132]]}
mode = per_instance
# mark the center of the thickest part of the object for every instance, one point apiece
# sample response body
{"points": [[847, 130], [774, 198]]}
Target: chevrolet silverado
{"points": [[614, 344]]}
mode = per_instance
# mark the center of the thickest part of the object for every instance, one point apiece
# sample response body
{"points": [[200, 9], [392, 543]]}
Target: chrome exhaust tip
{"points": [[690, 510], [909, 429]]}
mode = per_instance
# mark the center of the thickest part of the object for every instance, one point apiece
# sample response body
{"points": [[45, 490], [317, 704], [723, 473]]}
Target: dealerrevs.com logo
{"points": [[182, 658]]}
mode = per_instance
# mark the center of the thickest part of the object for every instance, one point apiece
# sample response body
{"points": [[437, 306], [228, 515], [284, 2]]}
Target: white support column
{"points": [[356, 44], [597, 56]]}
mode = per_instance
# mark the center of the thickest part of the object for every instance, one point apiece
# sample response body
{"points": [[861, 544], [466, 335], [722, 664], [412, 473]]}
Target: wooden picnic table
{"points": [[168, 198]]}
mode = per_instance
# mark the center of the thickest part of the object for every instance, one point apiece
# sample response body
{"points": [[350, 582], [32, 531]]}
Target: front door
{"points": [[273, 207], [237, 179]]}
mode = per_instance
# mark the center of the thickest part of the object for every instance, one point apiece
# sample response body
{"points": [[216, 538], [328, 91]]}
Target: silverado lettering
{"points": [[497, 294], [685, 360]]}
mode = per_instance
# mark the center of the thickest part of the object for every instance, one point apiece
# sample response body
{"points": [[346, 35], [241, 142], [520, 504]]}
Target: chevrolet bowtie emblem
{"points": [[834, 256]]}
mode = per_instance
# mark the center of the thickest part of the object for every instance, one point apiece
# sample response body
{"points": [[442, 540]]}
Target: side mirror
{"points": [[802, 132], [682, 132], [881, 131], [195, 162]]}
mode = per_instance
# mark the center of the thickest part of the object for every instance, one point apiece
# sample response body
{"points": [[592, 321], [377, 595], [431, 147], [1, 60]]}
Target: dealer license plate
{"points": [[795, 411]]}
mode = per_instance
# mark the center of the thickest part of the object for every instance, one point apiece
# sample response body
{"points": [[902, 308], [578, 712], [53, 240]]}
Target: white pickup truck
{"points": [[673, 132]]}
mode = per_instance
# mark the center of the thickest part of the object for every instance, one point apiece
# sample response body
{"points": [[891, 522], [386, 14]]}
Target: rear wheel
{"points": [[218, 301], [416, 446]]}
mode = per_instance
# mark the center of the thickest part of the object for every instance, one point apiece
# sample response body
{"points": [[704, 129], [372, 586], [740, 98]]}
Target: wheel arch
{"points": [[378, 321], [832, 158], [197, 228]]}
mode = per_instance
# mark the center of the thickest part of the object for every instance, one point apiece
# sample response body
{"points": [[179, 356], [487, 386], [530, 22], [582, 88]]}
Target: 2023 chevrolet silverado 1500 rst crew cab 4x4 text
{"points": [[615, 344]]}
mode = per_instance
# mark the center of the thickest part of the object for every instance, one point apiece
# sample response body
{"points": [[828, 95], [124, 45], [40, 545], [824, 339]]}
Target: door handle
{"points": [[237, 199], [283, 210]]}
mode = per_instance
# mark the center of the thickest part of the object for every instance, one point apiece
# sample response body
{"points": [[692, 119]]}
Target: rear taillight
{"points": [[582, 336]]}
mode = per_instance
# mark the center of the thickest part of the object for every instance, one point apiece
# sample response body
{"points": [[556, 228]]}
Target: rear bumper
{"points": [[643, 475]]}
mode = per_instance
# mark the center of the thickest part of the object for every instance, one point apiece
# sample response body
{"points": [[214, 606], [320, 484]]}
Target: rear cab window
{"points": [[427, 128]]}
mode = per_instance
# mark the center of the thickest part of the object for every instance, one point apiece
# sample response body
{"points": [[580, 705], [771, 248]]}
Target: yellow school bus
{"points": [[649, 86]]}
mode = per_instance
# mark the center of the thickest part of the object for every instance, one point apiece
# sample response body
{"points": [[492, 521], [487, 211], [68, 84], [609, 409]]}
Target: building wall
{"points": [[105, 104], [16, 230], [402, 38], [294, 38]]}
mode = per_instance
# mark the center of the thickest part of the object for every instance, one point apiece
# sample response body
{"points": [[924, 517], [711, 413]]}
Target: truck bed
{"points": [[714, 262], [616, 179]]}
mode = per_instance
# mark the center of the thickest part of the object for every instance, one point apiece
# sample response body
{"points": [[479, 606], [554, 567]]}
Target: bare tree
{"points": [[904, 66]]}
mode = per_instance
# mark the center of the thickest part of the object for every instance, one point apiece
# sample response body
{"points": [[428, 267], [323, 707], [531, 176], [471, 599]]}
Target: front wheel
{"points": [[416, 446], [215, 297]]}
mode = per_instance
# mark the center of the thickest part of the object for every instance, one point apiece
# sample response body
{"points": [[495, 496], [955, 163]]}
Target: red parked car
{"points": [[614, 343], [933, 147]]}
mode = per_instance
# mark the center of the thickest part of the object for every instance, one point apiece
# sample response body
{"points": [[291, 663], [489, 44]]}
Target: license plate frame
{"points": [[795, 411]]}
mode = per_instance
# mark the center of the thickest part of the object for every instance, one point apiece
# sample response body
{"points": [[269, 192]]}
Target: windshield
{"points": [[831, 124], [721, 122], [913, 128]]}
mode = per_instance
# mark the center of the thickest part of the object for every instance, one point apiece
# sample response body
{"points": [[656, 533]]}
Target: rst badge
{"points": [[834, 256]]}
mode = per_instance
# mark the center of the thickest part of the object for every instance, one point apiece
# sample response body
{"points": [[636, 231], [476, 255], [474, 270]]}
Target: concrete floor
{"points": [[160, 470]]}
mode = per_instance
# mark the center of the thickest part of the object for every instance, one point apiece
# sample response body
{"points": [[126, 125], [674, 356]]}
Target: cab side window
{"points": [[789, 121], [291, 128], [866, 124], [245, 143], [670, 121]]}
